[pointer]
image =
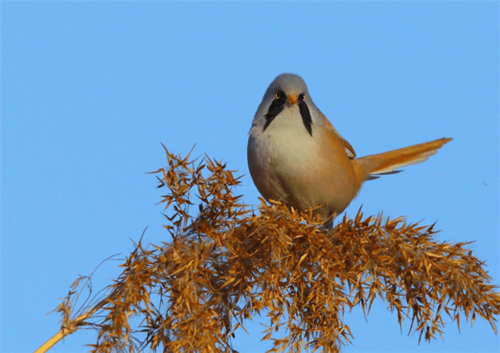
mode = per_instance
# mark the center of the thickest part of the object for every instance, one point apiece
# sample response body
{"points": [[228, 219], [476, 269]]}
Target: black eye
{"points": [[280, 96], [275, 108], [302, 97]]}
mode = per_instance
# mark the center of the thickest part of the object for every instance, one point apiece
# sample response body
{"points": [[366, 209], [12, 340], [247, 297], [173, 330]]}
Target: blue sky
{"points": [[90, 90]]}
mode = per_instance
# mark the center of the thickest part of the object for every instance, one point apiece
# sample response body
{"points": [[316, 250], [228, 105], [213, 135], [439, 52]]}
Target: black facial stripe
{"points": [[306, 115], [276, 107]]}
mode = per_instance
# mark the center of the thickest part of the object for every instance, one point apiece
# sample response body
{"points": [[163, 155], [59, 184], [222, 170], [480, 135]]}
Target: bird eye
{"points": [[278, 95], [302, 97]]}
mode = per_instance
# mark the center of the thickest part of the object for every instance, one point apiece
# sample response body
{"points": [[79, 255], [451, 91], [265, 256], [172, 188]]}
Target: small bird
{"points": [[297, 157]]}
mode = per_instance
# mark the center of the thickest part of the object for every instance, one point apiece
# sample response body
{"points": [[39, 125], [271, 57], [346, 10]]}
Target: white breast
{"points": [[283, 160]]}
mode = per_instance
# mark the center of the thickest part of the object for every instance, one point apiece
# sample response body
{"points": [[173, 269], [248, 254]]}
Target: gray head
{"points": [[287, 83], [285, 91]]}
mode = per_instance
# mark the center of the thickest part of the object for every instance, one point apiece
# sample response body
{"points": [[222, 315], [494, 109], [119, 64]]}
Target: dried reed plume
{"points": [[227, 264]]}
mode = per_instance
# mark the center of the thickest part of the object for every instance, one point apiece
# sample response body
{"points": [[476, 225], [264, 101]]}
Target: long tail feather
{"points": [[389, 162]]}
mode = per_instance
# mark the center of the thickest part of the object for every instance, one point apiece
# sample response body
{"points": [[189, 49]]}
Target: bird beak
{"points": [[292, 99]]}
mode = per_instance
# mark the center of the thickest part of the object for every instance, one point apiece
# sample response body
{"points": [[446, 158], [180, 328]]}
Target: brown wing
{"points": [[347, 146]]}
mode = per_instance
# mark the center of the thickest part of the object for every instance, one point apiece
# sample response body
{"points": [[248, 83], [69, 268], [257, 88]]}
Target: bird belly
{"points": [[291, 166]]}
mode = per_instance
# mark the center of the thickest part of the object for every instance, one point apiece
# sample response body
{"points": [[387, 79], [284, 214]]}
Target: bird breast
{"points": [[288, 164]]}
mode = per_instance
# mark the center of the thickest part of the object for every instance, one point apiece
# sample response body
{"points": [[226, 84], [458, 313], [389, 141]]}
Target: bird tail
{"points": [[369, 167]]}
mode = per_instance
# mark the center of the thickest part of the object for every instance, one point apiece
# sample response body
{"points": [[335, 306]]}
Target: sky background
{"points": [[90, 90]]}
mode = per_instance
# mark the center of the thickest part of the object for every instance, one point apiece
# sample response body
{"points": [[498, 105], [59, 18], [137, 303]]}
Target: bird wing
{"points": [[347, 146]]}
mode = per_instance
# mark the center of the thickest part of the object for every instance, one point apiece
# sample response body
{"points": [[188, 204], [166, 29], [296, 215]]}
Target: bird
{"points": [[297, 157]]}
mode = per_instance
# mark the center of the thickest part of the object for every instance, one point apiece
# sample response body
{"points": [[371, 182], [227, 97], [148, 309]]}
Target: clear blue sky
{"points": [[90, 90]]}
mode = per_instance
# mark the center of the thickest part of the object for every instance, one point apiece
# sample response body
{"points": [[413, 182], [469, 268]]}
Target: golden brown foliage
{"points": [[227, 264]]}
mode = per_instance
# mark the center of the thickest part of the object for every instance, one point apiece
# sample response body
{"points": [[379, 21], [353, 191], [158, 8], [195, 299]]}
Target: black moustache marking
{"points": [[276, 107], [306, 116]]}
